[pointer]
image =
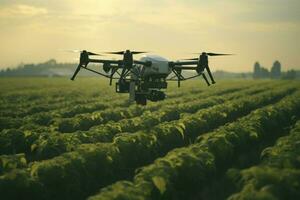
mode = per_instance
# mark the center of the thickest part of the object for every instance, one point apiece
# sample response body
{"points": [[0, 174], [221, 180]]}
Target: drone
{"points": [[144, 79]]}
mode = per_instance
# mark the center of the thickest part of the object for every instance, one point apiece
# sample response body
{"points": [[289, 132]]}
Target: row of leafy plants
{"points": [[88, 120], [278, 174], [77, 174], [47, 143], [21, 104], [54, 144], [44, 114], [38, 112], [41, 117], [184, 171]]}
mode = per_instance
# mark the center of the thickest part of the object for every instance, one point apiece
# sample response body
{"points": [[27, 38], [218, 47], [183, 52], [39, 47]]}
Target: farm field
{"points": [[237, 139]]}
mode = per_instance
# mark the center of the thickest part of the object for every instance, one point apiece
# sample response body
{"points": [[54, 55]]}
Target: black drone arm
{"points": [[182, 63], [184, 68], [105, 61], [113, 64], [178, 66]]}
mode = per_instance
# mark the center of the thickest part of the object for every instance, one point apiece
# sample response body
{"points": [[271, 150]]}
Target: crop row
{"points": [[86, 121], [47, 114], [77, 174], [54, 144], [49, 143], [36, 102], [278, 175], [21, 104], [185, 170], [40, 117], [43, 113]]}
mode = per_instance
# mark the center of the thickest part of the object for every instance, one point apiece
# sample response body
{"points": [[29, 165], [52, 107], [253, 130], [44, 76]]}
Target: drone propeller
{"points": [[215, 54], [138, 52], [116, 52], [93, 54], [209, 54], [191, 59], [81, 51], [122, 52], [218, 54]]}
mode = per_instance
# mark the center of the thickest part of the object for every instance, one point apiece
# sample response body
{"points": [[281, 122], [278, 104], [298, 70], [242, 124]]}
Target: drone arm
{"points": [[185, 68], [91, 70], [182, 63], [105, 61]]}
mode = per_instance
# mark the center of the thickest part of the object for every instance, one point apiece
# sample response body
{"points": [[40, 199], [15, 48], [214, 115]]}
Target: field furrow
{"points": [[184, 171], [54, 144], [276, 177], [76, 174], [237, 139], [47, 143]]}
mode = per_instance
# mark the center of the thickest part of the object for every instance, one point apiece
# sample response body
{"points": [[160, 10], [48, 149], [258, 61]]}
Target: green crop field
{"points": [[238, 139]]}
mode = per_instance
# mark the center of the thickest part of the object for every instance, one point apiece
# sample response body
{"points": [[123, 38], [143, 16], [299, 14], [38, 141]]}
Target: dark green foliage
{"points": [[7, 122], [62, 143], [11, 162], [12, 141], [277, 176], [176, 175]]}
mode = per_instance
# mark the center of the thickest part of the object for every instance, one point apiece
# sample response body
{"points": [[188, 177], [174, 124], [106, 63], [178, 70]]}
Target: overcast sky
{"points": [[255, 30]]}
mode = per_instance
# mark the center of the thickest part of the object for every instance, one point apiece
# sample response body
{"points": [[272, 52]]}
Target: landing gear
{"points": [[204, 77]]}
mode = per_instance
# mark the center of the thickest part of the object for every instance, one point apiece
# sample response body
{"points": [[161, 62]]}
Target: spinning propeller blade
{"points": [[93, 54], [191, 59], [122, 52], [138, 52], [80, 51], [215, 54], [218, 54], [116, 52]]}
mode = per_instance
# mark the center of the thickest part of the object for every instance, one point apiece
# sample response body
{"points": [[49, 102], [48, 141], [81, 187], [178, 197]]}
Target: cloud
{"points": [[170, 27], [21, 10]]}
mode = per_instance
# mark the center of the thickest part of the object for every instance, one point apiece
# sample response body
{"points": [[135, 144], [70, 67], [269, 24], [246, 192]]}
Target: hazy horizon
{"points": [[34, 31]]}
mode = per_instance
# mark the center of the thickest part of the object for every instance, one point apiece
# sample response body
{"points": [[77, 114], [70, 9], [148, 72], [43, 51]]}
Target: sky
{"points": [[34, 31]]}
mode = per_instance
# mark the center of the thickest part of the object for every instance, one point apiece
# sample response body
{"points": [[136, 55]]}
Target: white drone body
{"points": [[159, 67]]}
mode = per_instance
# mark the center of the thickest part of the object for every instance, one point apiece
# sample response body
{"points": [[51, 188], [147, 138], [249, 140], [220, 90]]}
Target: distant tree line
{"points": [[50, 68], [41, 69], [260, 72]]}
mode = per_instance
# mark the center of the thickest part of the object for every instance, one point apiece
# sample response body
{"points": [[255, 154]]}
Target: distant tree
{"points": [[291, 74], [276, 70], [264, 72], [256, 72], [260, 72]]}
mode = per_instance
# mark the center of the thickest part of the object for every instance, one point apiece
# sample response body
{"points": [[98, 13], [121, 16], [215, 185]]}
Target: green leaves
{"points": [[11, 162], [160, 183]]}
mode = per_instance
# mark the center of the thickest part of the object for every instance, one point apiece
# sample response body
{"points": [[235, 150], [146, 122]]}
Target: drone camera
{"points": [[122, 86]]}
